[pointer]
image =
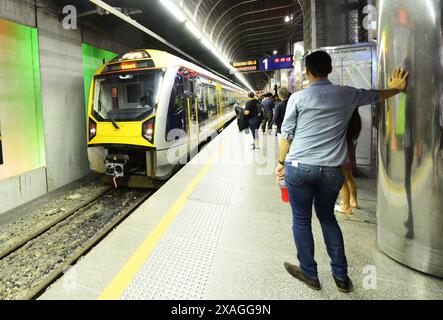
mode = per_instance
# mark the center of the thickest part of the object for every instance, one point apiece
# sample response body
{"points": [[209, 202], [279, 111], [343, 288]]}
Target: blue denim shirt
{"points": [[268, 104], [317, 119]]}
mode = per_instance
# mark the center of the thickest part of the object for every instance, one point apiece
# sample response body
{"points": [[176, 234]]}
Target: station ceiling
{"points": [[242, 29]]}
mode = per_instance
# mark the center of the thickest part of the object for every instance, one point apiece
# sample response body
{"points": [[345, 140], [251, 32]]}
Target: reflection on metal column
{"points": [[410, 184]]}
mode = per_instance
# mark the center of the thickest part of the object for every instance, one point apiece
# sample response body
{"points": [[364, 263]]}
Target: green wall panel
{"points": [[21, 117], [93, 58]]}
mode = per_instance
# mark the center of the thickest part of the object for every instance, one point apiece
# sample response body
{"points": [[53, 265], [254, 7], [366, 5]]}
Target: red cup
{"points": [[284, 192]]}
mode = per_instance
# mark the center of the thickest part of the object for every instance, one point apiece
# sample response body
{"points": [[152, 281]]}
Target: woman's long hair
{"points": [[354, 127]]}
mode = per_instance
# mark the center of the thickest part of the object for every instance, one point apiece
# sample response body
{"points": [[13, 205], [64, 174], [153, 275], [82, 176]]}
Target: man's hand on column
{"points": [[399, 80]]}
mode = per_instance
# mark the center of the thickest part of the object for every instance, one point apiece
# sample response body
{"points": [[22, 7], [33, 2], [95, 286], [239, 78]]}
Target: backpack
{"points": [[260, 111], [242, 120]]}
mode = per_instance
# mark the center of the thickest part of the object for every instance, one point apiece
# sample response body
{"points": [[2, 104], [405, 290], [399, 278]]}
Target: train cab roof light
{"points": [[174, 10], [133, 55]]}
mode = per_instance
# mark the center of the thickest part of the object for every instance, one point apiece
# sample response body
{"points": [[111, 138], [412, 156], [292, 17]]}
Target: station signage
{"points": [[248, 65], [275, 63]]}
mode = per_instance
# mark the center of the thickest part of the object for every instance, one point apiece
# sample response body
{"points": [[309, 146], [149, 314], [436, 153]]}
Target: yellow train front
{"points": [[149, 111]]}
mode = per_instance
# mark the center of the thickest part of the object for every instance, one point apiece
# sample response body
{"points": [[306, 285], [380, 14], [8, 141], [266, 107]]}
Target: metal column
{"points": [[410, 178]]}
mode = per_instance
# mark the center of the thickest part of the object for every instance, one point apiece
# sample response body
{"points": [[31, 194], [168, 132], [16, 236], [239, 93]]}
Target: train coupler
{"points": [[115, 165]]}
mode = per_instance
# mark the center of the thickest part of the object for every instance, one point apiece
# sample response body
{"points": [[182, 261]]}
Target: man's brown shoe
{"points": [[296, 272], [344, 286]]}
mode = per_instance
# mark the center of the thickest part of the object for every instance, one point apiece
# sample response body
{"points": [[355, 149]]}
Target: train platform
{"points": [[219, 230]]}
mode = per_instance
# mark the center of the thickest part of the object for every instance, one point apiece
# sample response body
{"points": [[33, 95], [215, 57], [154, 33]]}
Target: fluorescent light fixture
{"points": [[209, 45], [193, 29], [115, 12], [181, 16], [243, 80], [174, 9]]}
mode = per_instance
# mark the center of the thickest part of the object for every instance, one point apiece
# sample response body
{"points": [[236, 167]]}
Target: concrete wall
{"points": [[22, 188], [18, 11], [62, 91], [333, 22], [26, 186], [63, 101]]}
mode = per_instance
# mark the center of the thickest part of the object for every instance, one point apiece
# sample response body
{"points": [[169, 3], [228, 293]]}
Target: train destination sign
{"points": [[275, 63], [264, 64], [249, 65]]}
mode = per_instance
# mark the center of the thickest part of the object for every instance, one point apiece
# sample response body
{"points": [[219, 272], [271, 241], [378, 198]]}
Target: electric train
{"points": [[149, 111]]}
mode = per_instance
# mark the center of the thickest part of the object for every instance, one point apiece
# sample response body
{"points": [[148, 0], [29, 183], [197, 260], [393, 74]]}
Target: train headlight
{"points": [[148, 130], [92, 129]]}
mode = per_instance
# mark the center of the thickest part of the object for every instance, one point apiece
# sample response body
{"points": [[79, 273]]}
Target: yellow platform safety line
{"points": [[125, 276]]}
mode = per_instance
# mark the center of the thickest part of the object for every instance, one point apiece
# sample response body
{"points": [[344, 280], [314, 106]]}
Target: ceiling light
{"points": [[111, 10], [208, 45], [193, 29], [275, 52], [287, 19], [176, 11]]}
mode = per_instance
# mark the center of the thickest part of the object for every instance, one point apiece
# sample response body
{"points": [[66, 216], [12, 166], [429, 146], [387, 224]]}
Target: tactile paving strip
{"points": [[211, 194], [224, 176], [179, 266]]}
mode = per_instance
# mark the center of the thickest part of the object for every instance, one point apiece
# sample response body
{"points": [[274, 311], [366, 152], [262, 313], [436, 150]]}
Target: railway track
{"points": [[30, 266]]}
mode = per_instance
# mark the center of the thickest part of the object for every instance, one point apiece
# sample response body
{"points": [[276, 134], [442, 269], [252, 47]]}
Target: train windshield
{"points": [[127, 97]]}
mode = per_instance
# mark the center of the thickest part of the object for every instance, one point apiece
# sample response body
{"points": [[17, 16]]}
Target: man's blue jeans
{"points": [[307, 185]]}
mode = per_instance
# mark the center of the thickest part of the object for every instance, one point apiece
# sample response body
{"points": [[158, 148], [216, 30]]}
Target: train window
{"points": [[127, 97], [179, 99], [1, 149], [133, 91], [201, 97], [192, 99], [212, 102], [230, 100]]}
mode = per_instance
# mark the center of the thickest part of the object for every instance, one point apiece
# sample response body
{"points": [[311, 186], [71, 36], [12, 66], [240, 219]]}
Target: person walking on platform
{"points": [[280, 108], [268, 104], [253, 115], [312, 152], [349, 189]]}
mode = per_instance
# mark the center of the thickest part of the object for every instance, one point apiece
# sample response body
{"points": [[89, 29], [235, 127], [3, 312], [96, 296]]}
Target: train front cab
{"points": [[142, 123]]}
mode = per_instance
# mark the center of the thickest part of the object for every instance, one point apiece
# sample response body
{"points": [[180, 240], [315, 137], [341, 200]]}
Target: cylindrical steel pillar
{"points": [[410, 178]]}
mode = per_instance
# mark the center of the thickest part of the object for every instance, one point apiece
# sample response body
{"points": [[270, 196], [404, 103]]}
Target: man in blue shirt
{"points": [[268, 105], [312, 152]]}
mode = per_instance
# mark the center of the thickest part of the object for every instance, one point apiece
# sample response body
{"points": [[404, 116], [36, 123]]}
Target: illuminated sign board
{"points": [[275, 63], [249, 65]]}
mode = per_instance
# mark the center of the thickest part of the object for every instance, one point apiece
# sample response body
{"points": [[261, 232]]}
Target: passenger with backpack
{"points": [[254, 116], [242, 121]]}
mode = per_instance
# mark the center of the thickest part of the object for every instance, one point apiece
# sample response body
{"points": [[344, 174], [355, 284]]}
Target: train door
{"points": [[219, 105], [177, 128], [193, 129]]}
